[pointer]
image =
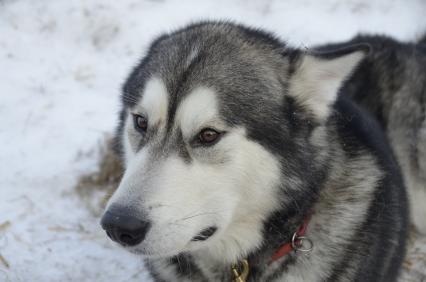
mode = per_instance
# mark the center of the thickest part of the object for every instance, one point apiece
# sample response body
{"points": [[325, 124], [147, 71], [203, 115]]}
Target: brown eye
{"points": [[140, 122], [208, 136]]}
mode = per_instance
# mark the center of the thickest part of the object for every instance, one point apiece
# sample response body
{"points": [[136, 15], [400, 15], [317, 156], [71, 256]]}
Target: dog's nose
{"points": [[124, 228]]}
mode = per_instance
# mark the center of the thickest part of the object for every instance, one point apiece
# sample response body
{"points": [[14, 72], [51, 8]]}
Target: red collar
{"points": [[296, 242]]}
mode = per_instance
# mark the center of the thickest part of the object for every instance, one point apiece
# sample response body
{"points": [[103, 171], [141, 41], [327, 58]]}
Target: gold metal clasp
{"points": [[241, 271]]}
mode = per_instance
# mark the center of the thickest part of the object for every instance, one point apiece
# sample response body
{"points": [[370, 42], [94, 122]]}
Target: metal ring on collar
{"points": [[298, 244]]}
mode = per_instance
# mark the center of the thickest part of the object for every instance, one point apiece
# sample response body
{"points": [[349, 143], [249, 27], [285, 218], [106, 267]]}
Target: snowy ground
{"points": [[61, 67]]}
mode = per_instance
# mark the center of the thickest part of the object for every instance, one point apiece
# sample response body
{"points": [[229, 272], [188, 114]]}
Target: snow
{"points": [[62, 65]]}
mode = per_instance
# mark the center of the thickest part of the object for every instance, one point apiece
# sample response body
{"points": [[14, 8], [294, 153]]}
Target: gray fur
{"points": [[391, 84], [337, 167]]}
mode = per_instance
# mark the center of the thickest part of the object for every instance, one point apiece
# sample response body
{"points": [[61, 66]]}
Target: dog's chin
{"points": [[159, 249], [153, 252]]}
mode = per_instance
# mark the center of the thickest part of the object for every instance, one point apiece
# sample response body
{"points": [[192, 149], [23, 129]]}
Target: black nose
{"points": [[124, 228]]}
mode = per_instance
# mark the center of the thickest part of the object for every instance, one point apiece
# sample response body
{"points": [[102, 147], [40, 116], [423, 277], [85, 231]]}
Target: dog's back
{"points": [[422, 40], [387, 214], [391, 84]]}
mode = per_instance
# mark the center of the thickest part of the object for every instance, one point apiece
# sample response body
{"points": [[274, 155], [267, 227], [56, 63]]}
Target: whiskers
{"points": [[199, 214], [191, 215]]}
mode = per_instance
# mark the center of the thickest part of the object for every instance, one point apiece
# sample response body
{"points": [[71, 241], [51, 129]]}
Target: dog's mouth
{"points": [[205, 234]]}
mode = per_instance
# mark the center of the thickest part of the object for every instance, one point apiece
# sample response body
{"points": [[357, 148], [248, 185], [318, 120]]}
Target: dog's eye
{"points": [[140, 122], [208, 136]]}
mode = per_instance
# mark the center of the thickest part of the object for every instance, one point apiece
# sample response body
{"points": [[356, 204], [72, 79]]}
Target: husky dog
{"points": [[244, 164], [391, 84]]}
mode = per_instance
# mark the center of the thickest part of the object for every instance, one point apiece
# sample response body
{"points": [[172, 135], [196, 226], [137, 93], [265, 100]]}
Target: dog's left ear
{"points": [[317, 77]]}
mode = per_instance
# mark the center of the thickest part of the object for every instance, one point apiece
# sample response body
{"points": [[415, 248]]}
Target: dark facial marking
{"points": [[205, 234]]}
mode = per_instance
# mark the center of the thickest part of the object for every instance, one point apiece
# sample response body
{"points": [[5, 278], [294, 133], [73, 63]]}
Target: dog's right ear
{"points": [[318, 76]]}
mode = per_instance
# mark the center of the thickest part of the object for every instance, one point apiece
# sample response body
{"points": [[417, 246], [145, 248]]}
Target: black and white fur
{"points": [[289, 146], [391, 84]]}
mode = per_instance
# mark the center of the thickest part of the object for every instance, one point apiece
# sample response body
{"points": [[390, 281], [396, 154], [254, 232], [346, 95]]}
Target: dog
{"points": [[244, 162], [391, 84]]}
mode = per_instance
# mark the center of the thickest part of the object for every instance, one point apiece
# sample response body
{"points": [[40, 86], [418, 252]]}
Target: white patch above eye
{"points": [[155, 100], [199, 109], [316, 81]]}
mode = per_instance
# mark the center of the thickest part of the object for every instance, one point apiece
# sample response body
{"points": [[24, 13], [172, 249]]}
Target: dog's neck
{"points": [[278, 230]]}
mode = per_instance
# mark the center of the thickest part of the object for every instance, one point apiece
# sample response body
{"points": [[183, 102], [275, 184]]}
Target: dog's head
{"points": [[216, 133]]}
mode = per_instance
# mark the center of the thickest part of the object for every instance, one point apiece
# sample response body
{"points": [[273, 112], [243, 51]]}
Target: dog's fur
{"points": [[422, 41], [290, 147], [391, 84]]}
